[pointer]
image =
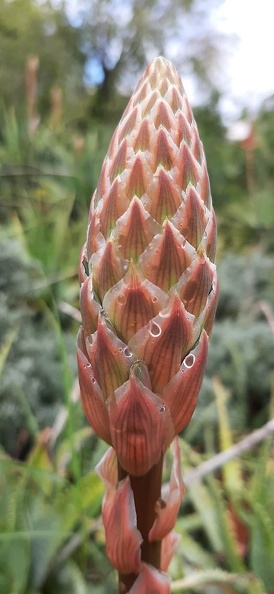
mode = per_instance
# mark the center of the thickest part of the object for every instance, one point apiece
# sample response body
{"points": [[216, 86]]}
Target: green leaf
{"points": [[68, 580], [210, 503], [261, 518], [218, 577], [205, 505], [14, 539], [193, 551], [6, 346], [14, 564], [231, 471]]}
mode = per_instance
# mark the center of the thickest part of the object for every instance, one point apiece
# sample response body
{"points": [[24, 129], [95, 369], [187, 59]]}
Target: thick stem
{"points": [[146, 490]]}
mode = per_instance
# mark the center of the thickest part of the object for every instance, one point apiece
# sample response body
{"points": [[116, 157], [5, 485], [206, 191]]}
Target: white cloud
{"points": [[250, 72]]}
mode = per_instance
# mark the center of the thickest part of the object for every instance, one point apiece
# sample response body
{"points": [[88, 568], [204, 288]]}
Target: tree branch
{"points": [[246, 444]]}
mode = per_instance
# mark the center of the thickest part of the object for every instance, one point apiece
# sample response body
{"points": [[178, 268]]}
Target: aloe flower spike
{"points": [[148, 299]]}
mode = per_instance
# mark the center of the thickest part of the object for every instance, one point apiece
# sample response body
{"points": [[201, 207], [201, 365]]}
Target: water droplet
{"points": [[93, 380], [121, 299], [154, 299], [125, 267], [127, 352], [120, 350], [87, 365], [189, 361], [205, 235], [155, 329], [162, 408]]}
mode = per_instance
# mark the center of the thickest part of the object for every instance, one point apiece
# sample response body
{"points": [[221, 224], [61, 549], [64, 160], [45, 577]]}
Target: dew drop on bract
{"points": [[127, 352], [121, 299], [189, 361], [155, 329], [89, 340]]}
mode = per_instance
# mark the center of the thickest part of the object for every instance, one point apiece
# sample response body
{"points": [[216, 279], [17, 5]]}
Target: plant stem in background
{"points": [[32, 66]]}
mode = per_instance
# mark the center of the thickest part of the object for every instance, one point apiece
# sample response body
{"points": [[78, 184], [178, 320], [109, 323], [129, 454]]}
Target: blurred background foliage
{"points": [[64, 82]]}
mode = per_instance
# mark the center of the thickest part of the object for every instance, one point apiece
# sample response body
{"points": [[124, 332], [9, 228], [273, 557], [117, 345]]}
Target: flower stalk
{"points": [[150, 485], [148, 299]]}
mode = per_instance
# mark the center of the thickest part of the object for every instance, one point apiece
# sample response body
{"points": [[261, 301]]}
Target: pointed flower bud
{"points": [[169, 546], [168, 506], [141, 425], [148, 279], [119, 518], [150, 581]]}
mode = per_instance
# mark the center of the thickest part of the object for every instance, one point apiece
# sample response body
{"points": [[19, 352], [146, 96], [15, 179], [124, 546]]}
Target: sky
{"points": [[249, 71]]}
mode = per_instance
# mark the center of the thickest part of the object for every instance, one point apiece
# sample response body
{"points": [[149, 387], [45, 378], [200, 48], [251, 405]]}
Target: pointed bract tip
{"points": [[123, 539], [151, 581]]}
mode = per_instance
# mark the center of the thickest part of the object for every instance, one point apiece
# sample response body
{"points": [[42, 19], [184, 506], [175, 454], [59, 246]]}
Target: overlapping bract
{"points": [[149, 287], [123, 538]]}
